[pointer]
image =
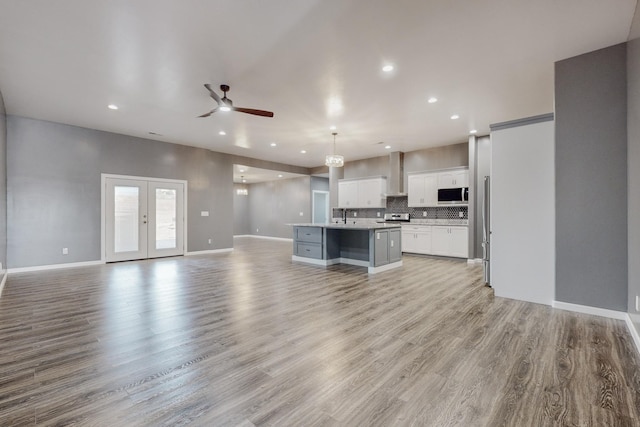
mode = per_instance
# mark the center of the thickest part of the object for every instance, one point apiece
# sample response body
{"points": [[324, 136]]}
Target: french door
{"points": [[143, 218]]}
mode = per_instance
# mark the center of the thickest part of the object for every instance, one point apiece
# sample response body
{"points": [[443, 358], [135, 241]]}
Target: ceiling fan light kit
{"points": [[225, 104], [334, 160]]}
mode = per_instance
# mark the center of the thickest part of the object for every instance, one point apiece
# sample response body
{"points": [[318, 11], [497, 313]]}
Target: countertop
{"points": [[350, 226], [446, 222]]}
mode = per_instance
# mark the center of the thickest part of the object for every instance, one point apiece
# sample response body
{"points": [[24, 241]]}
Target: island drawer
{"points": [[309, 250], [309, 234]]}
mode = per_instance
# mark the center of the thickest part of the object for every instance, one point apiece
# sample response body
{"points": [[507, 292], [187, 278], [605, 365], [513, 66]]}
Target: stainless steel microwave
{"points": [[453, 195]]}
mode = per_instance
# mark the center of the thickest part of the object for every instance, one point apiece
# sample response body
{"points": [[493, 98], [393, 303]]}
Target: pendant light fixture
{"points": [[334, 160]]}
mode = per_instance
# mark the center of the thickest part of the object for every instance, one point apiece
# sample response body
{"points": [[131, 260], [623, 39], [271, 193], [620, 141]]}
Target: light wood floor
{"points": [[248, 338]]}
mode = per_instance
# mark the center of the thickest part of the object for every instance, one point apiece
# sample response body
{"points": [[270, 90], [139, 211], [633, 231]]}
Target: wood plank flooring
{"points": [[251, 339]]}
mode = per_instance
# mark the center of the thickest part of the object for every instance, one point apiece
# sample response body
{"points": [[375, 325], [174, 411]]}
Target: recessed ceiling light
{"points": [[332, 128], [303, 151], [242, 170], [279, 175], [222, 133], [473, 131], [387, 68], [244, 180], [387, 147], [112, 106], [432, 100], [455, 117], [273, 144]]}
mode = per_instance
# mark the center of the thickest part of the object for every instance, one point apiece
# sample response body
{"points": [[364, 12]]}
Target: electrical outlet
{"points": [[378, 214], [637, 303], [461, 214], [257, 230], [301, 213], [355, 214], [209, 241], [424, 213], [65, 251]]}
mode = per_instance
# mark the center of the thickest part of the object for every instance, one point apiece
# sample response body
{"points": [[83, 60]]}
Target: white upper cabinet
{"points": [[347, 194], [453, 179], [422, 190], [371, 193], [362, 193]]}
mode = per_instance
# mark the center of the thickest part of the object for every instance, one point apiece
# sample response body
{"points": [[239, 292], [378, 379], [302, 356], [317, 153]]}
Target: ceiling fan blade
{"points": [[212, 93], [209, 113], [254, 112]]}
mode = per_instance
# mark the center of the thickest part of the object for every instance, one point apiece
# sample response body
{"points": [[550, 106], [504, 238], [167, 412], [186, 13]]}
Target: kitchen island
{"points": [[376, 246]]}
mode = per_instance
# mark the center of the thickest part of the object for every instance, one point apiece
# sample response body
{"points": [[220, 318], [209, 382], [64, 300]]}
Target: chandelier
{"points": [[334, 160]]}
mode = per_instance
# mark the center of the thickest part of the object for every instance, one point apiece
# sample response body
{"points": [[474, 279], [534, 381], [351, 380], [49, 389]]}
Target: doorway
{"points": [[142, 218], [320, 207]]}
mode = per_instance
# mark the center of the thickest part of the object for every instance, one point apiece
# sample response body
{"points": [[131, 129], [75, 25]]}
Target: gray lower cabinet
{"points": [[395, 246], [308, 242], [387, 247]]}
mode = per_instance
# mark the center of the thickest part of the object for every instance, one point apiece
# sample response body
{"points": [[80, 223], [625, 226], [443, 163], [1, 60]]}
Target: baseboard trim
{"points": [[603, 312], [282, 239], [3, 281], [209, 251], [351, 261], [633, 331], [374, 270], [54, 266], [586, 309]]}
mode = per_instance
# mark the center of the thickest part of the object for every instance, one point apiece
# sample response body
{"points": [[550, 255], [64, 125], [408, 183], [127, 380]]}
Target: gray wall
{"points": [[274, 204], [319, 184], [375, 166], [53, 179], [635, 25], [447, 156], [591, 179], [241, 216], [3, 184], [633, 162]]}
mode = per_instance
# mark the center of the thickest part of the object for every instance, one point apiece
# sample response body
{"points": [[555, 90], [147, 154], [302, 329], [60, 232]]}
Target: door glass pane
{"points": [[126, 218], [165, 218]]}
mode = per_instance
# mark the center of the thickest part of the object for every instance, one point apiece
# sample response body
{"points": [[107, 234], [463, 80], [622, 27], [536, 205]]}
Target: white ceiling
{"points": [[487, 60]]}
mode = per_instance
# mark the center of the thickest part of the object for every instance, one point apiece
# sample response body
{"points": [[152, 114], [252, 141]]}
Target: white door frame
{"points": [[313, 205], [103, 206]]}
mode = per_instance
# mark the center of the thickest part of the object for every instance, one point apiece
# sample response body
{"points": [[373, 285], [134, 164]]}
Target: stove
{"points": [[396, 217]]}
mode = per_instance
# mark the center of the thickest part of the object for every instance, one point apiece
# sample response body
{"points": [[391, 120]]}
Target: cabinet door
{"points": [[370, 193], [459, 237], [440, 240], [395, 249], [381, 239], [445, 180], [416, 190], [408, 241], [431, 189], [423, 242], [348, 194], [461, 178]]}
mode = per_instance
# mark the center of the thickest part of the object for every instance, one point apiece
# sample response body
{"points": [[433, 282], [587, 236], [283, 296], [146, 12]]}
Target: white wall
{"points": [[523, 212]]}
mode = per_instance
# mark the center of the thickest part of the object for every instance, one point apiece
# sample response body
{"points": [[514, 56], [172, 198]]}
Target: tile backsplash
{"points": [[400, 205]]}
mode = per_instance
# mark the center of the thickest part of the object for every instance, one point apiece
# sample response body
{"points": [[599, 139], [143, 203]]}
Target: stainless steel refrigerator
{"points": [[486, 230]]}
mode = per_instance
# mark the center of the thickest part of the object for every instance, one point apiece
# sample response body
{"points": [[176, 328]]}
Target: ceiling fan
{"points": [[225, 104]]}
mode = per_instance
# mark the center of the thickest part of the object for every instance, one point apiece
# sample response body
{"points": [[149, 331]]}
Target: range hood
{"points": [[395, 178]]}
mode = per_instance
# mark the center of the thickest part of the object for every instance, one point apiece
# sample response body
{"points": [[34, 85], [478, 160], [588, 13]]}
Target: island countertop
{"points": [[350, 226]]}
